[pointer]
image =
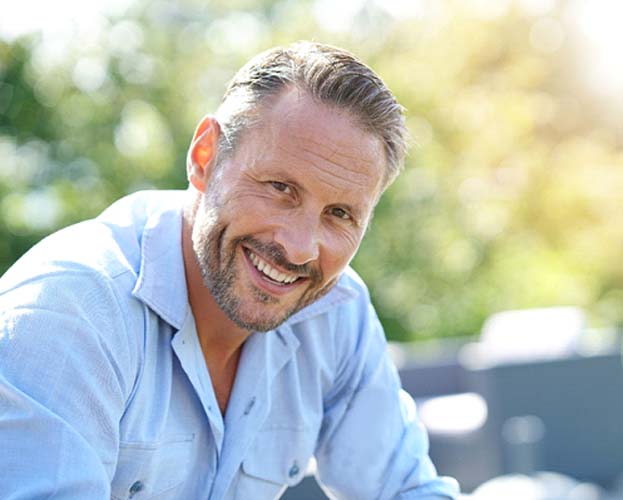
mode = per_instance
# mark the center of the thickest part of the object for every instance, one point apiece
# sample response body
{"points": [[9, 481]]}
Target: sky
{"points": [[598, 22]]}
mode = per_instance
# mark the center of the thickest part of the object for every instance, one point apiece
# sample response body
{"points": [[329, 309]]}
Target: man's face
{"points": [[283, 216]]}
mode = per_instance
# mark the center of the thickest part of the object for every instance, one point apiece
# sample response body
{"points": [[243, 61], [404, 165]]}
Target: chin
{"points": [[261, 317], [258, 324]]}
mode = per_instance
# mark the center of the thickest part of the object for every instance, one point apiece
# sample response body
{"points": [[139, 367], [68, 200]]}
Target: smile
{"points": [[268, 271]]}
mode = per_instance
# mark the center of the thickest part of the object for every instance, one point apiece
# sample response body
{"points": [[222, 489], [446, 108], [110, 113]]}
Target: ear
{"points": [[202, 152]]}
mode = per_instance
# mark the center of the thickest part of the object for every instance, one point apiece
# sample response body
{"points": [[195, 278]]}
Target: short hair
{"points": [[331, 76]]}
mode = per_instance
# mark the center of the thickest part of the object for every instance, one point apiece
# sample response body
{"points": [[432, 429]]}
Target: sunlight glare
{"points": [[600, 24], [29, 16]]}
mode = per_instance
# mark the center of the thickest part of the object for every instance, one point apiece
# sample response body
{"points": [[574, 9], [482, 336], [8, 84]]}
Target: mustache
{"points": [[277, 255]]}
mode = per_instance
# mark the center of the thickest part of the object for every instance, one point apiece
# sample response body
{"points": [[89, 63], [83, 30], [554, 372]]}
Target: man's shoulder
{"points": [[102, 248]]}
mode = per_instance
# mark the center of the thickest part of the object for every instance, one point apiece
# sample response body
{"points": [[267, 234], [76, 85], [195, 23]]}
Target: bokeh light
{"points": [[511, 195]]}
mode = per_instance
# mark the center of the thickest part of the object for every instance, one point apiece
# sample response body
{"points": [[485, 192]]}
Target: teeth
{"points": [[268, 270]]}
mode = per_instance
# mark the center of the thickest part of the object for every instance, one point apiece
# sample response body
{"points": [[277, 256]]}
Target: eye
{"points": [[340, 213], [282, 187]]}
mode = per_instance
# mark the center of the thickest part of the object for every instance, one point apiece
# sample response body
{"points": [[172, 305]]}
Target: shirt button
{"points": [[250, 405], [136, 487], [294, 470]]}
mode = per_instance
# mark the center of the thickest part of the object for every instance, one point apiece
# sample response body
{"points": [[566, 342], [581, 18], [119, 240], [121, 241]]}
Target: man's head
{"points": [[287, 177], [331, 76]]}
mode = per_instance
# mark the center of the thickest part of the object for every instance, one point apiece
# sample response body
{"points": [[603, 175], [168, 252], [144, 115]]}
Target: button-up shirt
{"points": [[104, 391]]}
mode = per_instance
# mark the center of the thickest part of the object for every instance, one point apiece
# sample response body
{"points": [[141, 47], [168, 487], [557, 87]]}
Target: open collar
{"points": [[161, 282], [341, 292]]}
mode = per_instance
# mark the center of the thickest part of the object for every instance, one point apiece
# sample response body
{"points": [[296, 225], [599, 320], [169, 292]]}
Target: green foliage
{"points": [[510, 197]]}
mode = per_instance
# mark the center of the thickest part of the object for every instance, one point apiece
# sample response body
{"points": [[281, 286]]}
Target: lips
{"points": [[269, 274]]}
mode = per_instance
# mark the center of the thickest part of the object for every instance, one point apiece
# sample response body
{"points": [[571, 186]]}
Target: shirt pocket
{"points": [[277, 459], [151, 469]]}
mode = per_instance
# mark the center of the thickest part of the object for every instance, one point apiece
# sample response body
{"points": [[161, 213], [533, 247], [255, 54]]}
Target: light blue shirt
{"points": [[104, 392]]}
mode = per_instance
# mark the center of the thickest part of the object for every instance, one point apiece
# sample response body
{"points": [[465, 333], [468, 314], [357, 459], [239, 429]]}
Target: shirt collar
{"points": [[341, 292], [161, 280]]}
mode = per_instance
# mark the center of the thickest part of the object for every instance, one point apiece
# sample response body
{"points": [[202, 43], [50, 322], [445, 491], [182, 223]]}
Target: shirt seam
{"points": [[137, 347]]}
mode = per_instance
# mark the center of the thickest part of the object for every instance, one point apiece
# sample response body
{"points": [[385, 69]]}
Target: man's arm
{"points": [[63, 386], [372, 444]]}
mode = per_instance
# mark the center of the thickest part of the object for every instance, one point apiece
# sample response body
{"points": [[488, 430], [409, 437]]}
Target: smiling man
{"points": [[206, 344]]}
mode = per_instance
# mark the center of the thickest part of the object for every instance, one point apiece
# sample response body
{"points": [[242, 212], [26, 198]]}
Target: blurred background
{"points": [[511, 198]]}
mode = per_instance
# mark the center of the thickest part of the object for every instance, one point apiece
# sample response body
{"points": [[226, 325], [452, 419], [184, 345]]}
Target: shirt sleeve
{"points": [[63, 349], [371, 444]]}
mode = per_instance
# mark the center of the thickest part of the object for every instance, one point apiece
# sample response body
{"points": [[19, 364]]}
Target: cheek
{"points": [[245, 205], [337, 256]]}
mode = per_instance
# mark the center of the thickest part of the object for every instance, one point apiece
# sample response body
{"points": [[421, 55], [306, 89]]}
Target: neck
{"points": [[220, 338]]}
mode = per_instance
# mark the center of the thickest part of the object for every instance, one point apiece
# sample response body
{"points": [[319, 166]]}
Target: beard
{"points": [[257, 310]]}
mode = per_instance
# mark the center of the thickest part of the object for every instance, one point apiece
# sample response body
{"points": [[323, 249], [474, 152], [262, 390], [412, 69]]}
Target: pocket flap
{"points": [[279, 455], [150, 468]]}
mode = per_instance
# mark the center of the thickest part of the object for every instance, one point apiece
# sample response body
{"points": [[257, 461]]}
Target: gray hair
{"points": [[330, 75]]}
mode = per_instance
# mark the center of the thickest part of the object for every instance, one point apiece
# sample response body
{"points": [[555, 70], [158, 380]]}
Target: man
{"points": [[207, 343]]}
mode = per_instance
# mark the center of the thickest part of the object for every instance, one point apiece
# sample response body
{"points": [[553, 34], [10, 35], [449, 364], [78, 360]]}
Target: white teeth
{"points": [[269, 271], [273, 273], [265, 267]]}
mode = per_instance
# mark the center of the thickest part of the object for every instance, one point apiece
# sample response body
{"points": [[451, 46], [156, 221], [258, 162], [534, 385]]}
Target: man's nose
{"points": [[300, 241]]}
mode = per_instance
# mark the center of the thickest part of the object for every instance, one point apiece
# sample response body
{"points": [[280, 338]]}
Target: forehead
{"points": [[319, 142]]}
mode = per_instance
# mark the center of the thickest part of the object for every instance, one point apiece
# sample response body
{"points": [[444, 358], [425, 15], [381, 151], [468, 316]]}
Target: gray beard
{"points": [[219, 274]]}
